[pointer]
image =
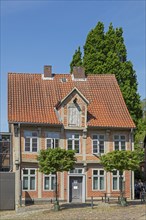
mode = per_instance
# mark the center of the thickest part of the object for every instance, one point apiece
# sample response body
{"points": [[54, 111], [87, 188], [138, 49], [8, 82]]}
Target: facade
{"points": [[71, 111], [5, 152]]}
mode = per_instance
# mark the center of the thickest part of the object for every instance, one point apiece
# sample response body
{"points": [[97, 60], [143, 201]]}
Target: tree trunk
{"points": [[56, 187]]}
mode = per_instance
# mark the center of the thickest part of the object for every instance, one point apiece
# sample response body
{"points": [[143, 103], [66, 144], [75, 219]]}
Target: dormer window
{"points": [[74, 115]]}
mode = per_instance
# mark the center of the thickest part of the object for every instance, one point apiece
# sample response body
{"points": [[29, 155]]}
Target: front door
{"points": [[75, 189]]}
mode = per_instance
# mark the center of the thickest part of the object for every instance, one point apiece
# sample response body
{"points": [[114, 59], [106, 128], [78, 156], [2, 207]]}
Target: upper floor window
{"points": [[98, 143], [119, 142], [98, 179], [31, 141], [49, 182], [73, 142], [52, 140], [74, 115], [76, 171], [29, 179]]}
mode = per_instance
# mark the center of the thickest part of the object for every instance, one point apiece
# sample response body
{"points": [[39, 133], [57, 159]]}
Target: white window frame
{"points": [[98, 140], [29, 135], [52, 136], [120, 140], [76, 171], [50, 176], [99, 176], [118, 180], [71, 137], [29, 175]]}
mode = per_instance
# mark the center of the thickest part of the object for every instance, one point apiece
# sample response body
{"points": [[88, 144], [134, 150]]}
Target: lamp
{"points": [[17, 163]]}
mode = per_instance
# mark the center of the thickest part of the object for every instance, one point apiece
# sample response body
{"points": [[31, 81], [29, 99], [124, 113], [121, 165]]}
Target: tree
{"points": [[56, 160], [121, 161], [105, 53], [77, 59]]}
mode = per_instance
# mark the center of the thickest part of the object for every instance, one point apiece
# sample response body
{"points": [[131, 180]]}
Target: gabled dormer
{"points": [[72, 110]]}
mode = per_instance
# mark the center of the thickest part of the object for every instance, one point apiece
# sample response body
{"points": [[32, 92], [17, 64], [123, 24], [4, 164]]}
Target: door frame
{"points": [[83, 186]]}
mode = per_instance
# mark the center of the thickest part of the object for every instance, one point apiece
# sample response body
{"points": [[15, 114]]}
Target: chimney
{"points": [[47, 71], [79, 72]]}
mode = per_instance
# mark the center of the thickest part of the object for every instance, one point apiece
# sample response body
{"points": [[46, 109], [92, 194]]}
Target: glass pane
{"points": [[56, 142], [32, 183], [101, 147], [122, 145], [34, 144], [101, 172], [101, 137], [101, 183], [53, 182], [25, 172], [34, 134], [115, 172], [122, 137], [32, 172], [114, 183], [69, 144], [95, 137], [95, 182], [27, 144], [25, 183], [49, 143], [116, 137], [95, 172], [46, 182], [77, 146], [116, 145], [76, 136]]}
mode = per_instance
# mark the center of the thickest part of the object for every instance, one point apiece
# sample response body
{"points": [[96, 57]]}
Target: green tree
{"points": [[105, 53], [121, 161], [77, 59], [56, 160]]}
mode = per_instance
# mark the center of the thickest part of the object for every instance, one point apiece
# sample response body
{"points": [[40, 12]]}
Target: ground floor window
{"points": [[98, 179], [29, 179], [117, 184], [49, 182]]}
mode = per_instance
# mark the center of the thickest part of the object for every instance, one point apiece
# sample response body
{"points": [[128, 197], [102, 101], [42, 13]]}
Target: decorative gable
{"points": [[73, 110]]}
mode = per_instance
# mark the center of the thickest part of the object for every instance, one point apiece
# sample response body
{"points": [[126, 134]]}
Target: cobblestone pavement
{"points": [[101, 211]]}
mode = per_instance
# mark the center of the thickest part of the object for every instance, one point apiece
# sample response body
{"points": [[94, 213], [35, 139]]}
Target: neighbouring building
{"points": [[5, 152], [71, 111]]}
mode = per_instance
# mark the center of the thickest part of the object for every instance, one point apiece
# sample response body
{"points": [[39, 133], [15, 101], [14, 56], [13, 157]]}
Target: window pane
{"points": [[34, 144], [101, 146], [56, 142], [69, 144], [76, 136], [32, 172], [95, 137], [27, 144], [49, 143], [53, 182], [101, 183], [116, 137], [77, 146], [46, 183], [95, 172], [25, 171], [114, 183], [116, 145], [95, 182], [25, 183], [101, 172], [34, 134], [101, 137], [122, 137], [115, 172], [122, 145], [32, 183]]}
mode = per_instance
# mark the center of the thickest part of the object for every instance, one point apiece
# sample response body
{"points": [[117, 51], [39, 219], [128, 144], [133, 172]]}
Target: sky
{"points": [[42, 32]]}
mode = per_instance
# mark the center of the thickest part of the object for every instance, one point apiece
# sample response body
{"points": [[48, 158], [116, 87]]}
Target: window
{"points": [[76, 171], [74, 115], [49, 182], [31, 141], [98, 180], [52, 140], [29, 179], [116, 180], [98, 143], [119, 142], [73, 142]]}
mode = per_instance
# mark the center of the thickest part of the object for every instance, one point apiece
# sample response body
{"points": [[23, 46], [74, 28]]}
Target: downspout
{"points": [[132, 172]]}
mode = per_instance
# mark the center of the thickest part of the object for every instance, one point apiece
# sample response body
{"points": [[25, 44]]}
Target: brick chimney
{"points": [[79, 72], [47, 71]]}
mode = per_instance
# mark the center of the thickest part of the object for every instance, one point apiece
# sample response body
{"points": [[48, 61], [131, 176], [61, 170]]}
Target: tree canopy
{"points": [[121, 160], [105, 53]]}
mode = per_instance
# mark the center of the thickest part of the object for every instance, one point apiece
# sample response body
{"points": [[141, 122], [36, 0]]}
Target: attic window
{"points": [[73, 116], [63, 80]]}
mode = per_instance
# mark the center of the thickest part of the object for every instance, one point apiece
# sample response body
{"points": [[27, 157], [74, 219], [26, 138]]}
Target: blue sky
{"points": [[37, 33]]}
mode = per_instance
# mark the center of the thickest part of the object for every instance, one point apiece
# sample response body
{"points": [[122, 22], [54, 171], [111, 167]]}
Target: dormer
{"points": [[73, 110]]}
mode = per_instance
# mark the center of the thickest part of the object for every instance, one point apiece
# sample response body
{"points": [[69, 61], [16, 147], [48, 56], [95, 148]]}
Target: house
{"points": [[71, 111], [5, 152]]}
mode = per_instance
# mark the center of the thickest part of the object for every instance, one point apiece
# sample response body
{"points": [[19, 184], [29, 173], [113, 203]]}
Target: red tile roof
{"points": [[32, 99]]}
